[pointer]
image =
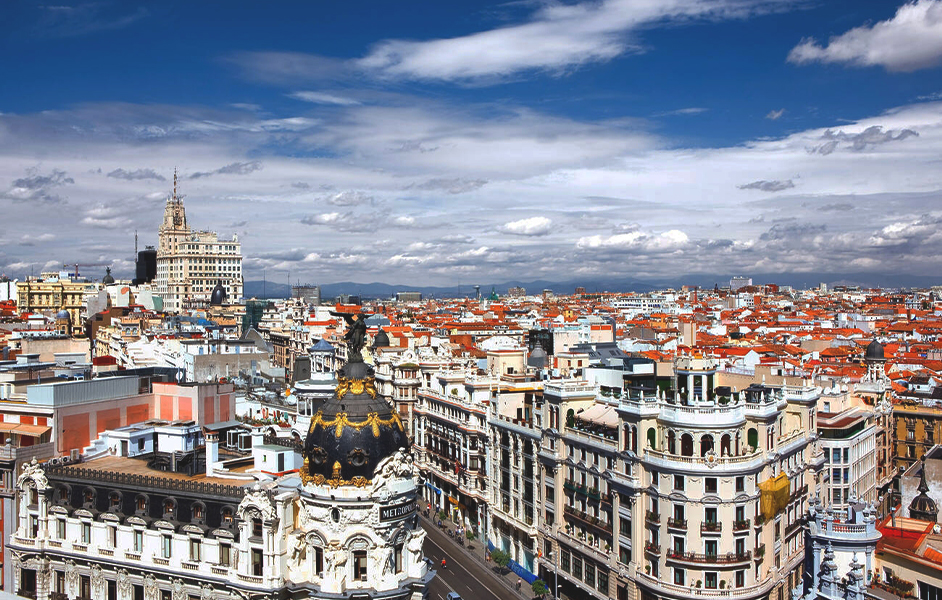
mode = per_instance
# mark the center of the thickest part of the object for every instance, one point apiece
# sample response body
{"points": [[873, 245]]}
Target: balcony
{"points": [[589, 520], [581, 488], [673, 523], [652, 548], [711, 527], [710, 559], [760, 552], [742, 525], [652, 517]]}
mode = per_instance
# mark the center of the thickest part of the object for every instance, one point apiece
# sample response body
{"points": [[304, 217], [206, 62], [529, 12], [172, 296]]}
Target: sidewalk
{"points": [[508, 580]]}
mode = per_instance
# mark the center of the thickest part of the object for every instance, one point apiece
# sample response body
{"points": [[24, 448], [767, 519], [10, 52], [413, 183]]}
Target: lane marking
{"points": [[465, 570]]}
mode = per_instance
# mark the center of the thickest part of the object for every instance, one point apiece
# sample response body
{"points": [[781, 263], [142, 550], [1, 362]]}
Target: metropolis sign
{"points": [[397, 511]]}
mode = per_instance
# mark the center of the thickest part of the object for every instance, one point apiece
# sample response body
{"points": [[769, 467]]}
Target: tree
{"points": [[500, 558], [539, 588]]}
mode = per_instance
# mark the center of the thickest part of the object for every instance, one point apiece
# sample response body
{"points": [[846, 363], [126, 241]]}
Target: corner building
{"points": [[345, 528], [702, 488]]}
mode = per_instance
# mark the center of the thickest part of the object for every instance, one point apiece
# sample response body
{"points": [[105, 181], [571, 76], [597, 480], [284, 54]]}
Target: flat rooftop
{"points": [[138, 466]]}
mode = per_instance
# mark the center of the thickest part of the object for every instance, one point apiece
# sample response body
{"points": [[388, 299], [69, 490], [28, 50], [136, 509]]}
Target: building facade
{"points": [[190, 263]]}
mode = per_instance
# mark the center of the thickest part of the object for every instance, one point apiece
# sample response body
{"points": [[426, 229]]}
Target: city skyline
{"points": [[447, 144]]}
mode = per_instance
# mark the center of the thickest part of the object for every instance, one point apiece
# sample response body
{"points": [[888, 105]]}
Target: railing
{"points": [[256, 579], [190, 566], [711, 527], [652, 517], [132, 555], [79, 547], [145, 481], [741, 525], [594, 521], [685, 592], [54, 543], [286, 442], [677, 523], [106, 551], [652, 548], [718, 559], [219, 570], [591, 492], [158, 560]]}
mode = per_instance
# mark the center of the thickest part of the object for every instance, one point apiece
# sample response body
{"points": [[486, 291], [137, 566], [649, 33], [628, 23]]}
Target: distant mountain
{"points": [[259, 289]]}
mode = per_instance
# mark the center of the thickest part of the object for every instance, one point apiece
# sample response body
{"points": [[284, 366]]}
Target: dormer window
{"points": [[227, 516], [140, 505], [170, 508], [198, 511], [256, 527]]}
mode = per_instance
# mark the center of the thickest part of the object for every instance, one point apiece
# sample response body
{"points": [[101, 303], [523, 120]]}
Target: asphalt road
{"points": [[464, 575]]}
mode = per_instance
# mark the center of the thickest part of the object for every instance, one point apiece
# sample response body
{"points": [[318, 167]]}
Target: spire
{"points": [[174, 183]]}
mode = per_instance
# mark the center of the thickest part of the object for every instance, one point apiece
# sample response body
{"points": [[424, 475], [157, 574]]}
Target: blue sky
{"points": [[447, 141]]}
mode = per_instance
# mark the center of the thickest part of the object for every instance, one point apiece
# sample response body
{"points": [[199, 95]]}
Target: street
{"points": [[464, 575]]}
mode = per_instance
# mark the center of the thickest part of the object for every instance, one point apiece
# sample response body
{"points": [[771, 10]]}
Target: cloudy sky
{"points": [[462, 142]]}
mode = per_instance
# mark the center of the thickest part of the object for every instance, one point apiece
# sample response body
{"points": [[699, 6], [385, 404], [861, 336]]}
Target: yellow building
{"points": [[50, 294]]}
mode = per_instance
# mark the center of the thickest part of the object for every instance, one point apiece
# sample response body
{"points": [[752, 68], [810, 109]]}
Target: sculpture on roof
{"points": [[356, 332]]}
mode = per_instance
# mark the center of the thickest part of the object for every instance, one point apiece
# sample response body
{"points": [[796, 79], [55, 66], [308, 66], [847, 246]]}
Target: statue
{"points": [[415, 545], [336, 563], [299, 551], [356, 333]]}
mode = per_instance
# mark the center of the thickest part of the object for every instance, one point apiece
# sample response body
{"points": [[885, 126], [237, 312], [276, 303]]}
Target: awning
{"points": [[24, 429], [601, 414]]}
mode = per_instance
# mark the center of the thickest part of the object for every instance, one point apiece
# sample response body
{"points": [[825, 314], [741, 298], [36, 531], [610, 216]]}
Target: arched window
{"points": [[652, 438], [752, 437], [170, 508], [570, 417], [725, 442], [671, 442], [634, 439], [686, 445], [706, 444]]}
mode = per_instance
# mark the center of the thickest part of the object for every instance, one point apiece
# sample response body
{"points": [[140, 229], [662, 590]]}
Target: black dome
{"points": [[923, 507], [218, 297], [381, 339], [874, 351], [354, 430]]}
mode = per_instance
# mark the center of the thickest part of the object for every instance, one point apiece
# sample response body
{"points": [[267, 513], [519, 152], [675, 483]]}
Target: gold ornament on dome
{"points": [[355, 386], [341, 420]]}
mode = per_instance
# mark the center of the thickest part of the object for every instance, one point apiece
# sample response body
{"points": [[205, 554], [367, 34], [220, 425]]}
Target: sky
{"points": [[442, 143]]}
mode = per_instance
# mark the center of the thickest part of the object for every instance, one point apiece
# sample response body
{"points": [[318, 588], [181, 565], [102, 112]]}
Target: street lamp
{"points": [[552, 555]]}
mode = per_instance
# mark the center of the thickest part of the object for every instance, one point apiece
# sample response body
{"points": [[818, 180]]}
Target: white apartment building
{"points": [[190, 263], [699, 489]]}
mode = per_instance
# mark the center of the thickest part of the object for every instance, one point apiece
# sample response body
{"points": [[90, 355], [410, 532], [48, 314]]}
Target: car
{"points": [[452, 596]]}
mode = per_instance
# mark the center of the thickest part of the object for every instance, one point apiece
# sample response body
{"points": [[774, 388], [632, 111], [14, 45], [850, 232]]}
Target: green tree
{"points": [[539, 588], [500, 558]]}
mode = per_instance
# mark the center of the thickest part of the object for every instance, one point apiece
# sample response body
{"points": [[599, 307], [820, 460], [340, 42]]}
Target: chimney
{"points": [[212, 451]]}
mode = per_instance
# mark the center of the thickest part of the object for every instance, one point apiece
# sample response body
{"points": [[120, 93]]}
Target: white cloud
{"points": [[532, 226], [775, 115], [668, 240], [556, 37], [910, 41], [322, 98]]}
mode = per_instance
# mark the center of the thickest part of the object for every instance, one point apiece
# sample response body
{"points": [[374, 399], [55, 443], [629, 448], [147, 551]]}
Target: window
{"points": [[318, 561], [710, 485], [709, 515], [257, 562], [624, 555], [166, 542], [678, 545], [740, 514], [836, 455], [197, 511], [112, 536], [602, 585], [359, 565], [397, 558], [589, 574], [710, 577], [86, 533], [256, 527], [679, 482], [678, 576], [740, 579], [740, 546], [194, 550], [624, 526], [60, 529], [224, 550], [740, 484], [138, 541], [141, 504], [710, 547], [577, 567], [227, 516], [34, 526]]}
